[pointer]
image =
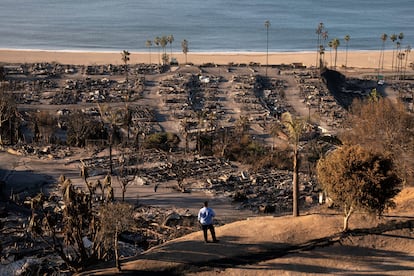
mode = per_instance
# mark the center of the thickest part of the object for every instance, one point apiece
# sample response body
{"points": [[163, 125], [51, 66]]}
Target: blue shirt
{"points": [[205, 216]]}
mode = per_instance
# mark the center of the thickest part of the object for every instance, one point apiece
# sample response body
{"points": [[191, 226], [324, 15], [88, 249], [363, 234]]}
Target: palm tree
{"points": [[335, 45], [400, 38], [295, 127], [184, 46], [125, 58], [322, 56], [170, 40], [163, 44], [346, 38], [393, 38], [407, 52], [318, 32], [381, 60], [157, 41], [148, 44], [267, 25], [397, 54], [330, 45]]}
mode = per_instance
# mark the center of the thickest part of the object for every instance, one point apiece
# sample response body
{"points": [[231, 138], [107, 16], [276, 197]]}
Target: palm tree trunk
{"points": [[346, 56]]}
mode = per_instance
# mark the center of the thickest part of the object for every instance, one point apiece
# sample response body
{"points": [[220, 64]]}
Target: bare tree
{"points": [[47, 125], [113, 118], [126, 172], [115, 218]]}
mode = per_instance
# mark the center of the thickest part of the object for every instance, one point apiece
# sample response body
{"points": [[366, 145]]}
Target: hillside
{"points": [[309, 244]]}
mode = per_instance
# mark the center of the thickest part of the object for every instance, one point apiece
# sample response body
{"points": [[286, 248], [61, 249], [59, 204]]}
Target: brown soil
{"points": [[307, 245]]}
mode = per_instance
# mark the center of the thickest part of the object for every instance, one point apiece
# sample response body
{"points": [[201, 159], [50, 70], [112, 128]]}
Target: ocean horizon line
{"points": [[224, 52]]}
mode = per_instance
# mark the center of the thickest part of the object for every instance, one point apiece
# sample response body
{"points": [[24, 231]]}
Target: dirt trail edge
{"points": [[249, 242]]}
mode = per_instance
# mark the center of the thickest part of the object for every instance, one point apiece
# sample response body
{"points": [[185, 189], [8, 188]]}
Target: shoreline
{"points": [[354, 59]]}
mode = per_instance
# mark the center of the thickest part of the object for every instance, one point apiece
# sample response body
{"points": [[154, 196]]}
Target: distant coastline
{"points": [[355, 59]]}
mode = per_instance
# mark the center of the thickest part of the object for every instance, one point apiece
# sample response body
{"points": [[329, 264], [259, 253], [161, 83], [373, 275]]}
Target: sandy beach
{"points": [[355, 59]]}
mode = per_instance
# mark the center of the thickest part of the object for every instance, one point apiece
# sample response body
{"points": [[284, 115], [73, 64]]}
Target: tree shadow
{"points": [[196, 256]]}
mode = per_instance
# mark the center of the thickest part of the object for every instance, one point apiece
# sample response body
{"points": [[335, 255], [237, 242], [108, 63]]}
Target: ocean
{"points": [[208, 25]]}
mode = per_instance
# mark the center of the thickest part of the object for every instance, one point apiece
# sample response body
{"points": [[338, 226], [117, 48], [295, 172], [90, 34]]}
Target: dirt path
{"points": [[286, 246]]}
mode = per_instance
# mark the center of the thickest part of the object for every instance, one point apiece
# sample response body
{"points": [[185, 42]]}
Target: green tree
{"points": [[295, 127], [358, 179], [184, 46], [148, 44], [267, 25], [346, 38]]}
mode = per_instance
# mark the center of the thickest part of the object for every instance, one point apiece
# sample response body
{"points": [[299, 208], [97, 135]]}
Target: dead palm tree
{"points": [[267, 25], [148, 44], [295, 128], [346, 38]]}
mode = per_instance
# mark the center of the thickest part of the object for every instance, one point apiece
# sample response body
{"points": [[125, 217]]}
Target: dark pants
{"points": [[213, 233]]}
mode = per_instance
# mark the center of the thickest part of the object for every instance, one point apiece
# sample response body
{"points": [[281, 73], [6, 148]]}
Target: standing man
{"points": [[205, 217]]}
